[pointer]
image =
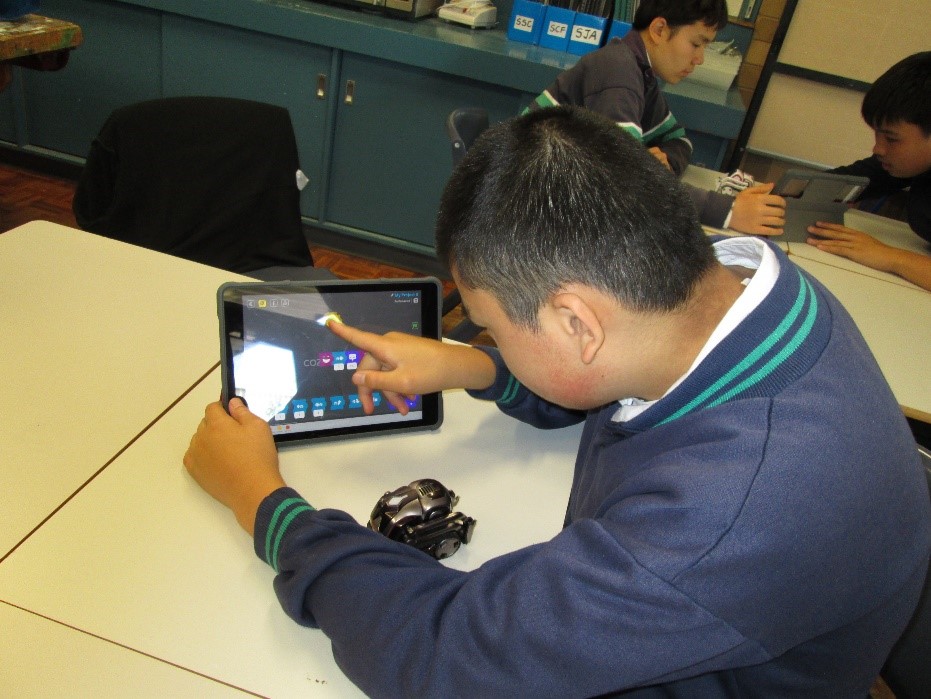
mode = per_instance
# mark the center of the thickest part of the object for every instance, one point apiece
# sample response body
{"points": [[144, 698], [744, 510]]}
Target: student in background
{"points": [[748, 514], [619, 81], [898, 109]]}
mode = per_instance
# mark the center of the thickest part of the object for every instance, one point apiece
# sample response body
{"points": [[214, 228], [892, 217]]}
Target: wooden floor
{"points": [[26, 196]]}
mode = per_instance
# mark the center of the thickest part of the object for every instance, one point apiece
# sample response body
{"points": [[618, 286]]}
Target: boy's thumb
{"points": [[238, 409]]}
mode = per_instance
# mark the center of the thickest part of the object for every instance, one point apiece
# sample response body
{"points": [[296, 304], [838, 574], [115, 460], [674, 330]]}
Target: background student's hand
{"points": [[401, 365], [661, 156], [858, 246], [757, 212], [855, 245], [233, 457]]}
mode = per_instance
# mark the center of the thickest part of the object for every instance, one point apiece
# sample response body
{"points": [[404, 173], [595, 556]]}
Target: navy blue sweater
{"points": [[918, 202], [763, 530]]}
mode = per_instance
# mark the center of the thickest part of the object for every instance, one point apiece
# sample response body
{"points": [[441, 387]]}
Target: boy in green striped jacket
{"points": [[620, 81]]}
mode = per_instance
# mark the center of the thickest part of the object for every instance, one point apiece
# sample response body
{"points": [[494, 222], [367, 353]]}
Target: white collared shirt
{"points": [[746, 252]]}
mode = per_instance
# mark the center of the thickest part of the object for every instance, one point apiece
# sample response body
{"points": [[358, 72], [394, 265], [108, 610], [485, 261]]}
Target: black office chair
{"points": [[463, 125], [908, 669], [209, 179]]}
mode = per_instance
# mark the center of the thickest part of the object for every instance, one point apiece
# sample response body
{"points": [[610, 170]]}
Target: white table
{"points": [[99, 339], [44, 658], [145, 559], [701, 177]]}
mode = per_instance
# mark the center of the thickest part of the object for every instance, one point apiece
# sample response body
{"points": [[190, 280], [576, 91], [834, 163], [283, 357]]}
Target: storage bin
{"points": [[618, 29], [587, 34], [557, 23], [526, 21]]}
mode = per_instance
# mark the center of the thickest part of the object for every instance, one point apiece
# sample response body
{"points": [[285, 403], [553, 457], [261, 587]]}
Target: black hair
{"points": [[560, 196], [902, 93], [678, 13]]}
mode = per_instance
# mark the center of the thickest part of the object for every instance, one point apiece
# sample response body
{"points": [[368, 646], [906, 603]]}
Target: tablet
{"points": [[815, 196], [278, 355]]}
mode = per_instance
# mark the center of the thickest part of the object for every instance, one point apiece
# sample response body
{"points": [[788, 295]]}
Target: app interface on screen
{"points": [[297, 375]]}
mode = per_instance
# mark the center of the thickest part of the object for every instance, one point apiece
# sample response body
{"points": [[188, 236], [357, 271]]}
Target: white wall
{"points": [[858, 39]]}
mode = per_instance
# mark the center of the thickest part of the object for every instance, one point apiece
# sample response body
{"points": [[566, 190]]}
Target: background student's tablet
{"points": [[278, 355], [815, 196]]}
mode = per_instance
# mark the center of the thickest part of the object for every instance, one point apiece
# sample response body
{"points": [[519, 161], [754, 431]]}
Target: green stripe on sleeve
{"points": [[668, 130], [283, 528], [510, 391], [631, 129], [300, 505], [545, 99]]}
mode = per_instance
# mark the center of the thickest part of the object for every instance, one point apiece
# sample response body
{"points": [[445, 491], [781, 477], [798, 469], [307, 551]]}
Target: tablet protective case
{"points": [[815, 196], [279, 356]]}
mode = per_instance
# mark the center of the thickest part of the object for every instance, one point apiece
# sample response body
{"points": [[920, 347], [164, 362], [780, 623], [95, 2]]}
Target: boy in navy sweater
{"points": [[748, 516], [898, 109]]}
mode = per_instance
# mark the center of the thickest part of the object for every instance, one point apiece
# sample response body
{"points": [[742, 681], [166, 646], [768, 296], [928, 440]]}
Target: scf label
{"points": [[557, 29]]}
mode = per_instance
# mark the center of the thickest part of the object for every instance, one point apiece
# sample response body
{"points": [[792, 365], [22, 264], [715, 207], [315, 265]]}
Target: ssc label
{"points": [[557, 29], [586, 35], [523, 24]]}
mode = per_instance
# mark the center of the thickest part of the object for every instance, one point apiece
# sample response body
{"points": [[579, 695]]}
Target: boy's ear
{"points": [[581, 323], [658, 29]]}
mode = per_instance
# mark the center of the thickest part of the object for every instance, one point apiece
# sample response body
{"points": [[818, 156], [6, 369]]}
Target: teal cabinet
{"points": [[391, 155], [707, 151], [8, 126], [117, 64], [204, 58]]}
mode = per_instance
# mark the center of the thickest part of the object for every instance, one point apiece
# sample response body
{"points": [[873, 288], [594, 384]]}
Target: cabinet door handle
{"points": [[321, 86], [350, 91]]}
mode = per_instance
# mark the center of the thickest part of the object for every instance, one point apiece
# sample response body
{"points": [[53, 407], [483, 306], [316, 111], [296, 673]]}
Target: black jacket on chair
{"points": [[210, 179]]}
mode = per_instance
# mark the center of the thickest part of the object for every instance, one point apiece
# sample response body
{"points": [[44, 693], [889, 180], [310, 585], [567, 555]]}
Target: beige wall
{"points": [[857, 39]]}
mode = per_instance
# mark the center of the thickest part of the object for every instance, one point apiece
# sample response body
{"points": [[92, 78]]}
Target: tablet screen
{"points": [[280, 358]]}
